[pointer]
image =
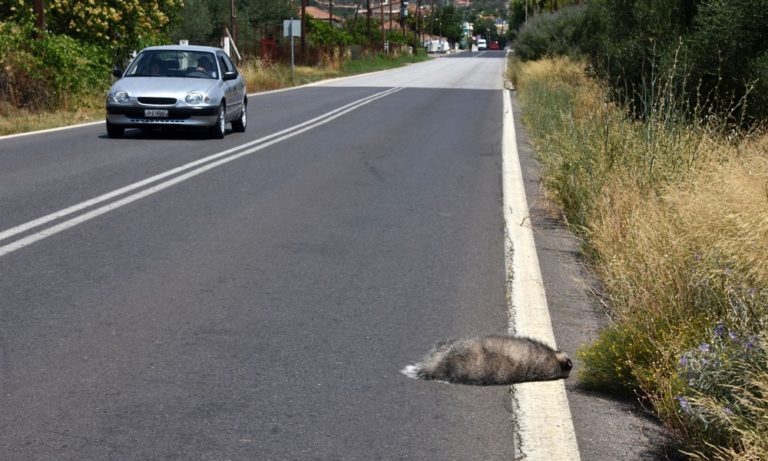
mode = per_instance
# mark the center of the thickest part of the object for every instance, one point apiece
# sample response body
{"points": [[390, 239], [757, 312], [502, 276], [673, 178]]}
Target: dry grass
{"points": [[260, 76], [20, 121], [675, 220]]}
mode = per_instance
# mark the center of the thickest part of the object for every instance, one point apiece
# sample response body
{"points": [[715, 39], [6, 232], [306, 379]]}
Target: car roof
{"points": [[209, 49]]}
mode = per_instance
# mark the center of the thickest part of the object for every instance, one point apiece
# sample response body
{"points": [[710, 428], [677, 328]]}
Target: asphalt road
{"points": [[260, 307]]}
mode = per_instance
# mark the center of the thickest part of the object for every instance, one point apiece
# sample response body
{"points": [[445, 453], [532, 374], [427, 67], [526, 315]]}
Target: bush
{"points": [[728, 49], [49, 71], [714, 51], [325, 35], [551, 34]]}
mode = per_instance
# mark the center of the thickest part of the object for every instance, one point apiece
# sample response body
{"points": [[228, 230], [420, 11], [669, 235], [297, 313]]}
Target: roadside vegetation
{"points": [[664, 175], [57, 55], [259, 76], [59, 75]]}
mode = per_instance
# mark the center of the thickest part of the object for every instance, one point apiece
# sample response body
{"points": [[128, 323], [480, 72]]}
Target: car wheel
{"points": [[240, 124], [220, 127], [114, 131]]}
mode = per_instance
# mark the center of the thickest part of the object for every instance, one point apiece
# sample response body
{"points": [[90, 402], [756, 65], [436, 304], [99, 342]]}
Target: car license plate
{"points": [[157, 113]]}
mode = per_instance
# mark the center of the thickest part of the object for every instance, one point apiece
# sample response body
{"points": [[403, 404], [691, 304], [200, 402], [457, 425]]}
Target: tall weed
{"points": [[675, 221]]}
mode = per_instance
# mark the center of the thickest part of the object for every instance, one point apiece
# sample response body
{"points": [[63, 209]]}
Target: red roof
{"points": [[321, 14]]}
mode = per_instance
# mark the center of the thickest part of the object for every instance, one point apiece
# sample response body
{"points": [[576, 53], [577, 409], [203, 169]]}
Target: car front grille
{"points": [[178, 114], [157, 101]]}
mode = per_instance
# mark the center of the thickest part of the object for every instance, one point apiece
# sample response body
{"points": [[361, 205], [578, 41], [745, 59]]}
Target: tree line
{"points": [[700, 57]]}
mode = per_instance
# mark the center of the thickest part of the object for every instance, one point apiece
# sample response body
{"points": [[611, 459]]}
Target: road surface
{"points": [[167, 296]]}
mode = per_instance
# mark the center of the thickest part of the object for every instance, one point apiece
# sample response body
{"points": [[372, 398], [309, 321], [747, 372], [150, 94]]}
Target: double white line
{"points": [[112, 200]]}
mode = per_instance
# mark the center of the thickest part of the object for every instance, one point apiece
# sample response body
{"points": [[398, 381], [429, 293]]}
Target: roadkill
{"points": [[492, 360]]}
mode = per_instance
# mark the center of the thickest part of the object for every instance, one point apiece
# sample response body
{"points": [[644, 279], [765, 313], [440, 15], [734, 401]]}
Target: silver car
{"points": [[178, 86]]}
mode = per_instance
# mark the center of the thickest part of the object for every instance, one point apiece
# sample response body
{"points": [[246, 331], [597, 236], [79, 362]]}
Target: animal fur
{"points": [[492, 360]]}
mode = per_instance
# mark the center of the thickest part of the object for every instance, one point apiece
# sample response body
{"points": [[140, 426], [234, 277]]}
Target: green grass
{"points": [[674, 220]]}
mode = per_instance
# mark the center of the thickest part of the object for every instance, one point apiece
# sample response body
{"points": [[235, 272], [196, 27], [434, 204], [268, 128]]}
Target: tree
{"points": [[486, 27], [121, 25], [446, 22], [195, 23]]}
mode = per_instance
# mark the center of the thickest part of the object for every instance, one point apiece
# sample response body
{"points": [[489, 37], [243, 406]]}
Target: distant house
{"points": [[323, 15]]}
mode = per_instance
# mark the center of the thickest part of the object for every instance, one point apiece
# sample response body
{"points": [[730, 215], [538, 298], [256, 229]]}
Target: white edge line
{"points": [[303, 127], [543, 419], [49, 130]]}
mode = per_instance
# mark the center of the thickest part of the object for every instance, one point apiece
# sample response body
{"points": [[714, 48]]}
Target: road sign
{"points": [[291, 28]]}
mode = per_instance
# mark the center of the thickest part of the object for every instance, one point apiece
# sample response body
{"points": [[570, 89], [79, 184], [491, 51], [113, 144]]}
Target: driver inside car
{"points": [[205, 65]]}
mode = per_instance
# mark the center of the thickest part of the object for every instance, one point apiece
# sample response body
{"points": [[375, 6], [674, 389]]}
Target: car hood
{"points": [[163, 86]]}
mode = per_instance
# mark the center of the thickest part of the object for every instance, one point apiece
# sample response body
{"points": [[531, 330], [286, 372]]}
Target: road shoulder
{"points": [[606, 427]]}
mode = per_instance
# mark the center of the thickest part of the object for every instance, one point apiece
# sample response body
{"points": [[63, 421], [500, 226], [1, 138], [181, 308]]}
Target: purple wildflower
{"points": [[684, 405], [719, 329], [704, 347]]}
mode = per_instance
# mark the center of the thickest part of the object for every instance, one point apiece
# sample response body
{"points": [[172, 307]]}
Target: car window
{"points": [[226, 63], [173, 63], [202, 65]]}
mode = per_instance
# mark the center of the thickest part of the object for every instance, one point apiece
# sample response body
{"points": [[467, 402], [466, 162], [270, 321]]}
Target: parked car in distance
{"points": [[482, 44], [178, 86]]}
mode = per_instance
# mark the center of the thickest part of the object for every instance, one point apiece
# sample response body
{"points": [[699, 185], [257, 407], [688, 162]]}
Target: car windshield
{"points": [[173, 63]]}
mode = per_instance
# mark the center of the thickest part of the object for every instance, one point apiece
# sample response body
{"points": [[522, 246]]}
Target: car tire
{"points": [[242, 121], [114, 131], [219, 128]]}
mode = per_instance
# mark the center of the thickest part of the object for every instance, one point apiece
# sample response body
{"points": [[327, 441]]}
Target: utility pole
{"points": [[233, 21], [419, 23], [383, 32], [368, 19], [403, 14], [303, 31]]}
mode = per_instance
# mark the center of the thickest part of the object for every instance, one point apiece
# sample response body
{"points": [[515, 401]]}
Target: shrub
{"points": [[723, 403], [550, 34], [714, 51], [325, 35], [49, 71], [728, 46]]}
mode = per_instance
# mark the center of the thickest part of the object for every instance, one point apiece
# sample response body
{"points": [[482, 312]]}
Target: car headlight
{"points": [[120, 97], [194, 99]]}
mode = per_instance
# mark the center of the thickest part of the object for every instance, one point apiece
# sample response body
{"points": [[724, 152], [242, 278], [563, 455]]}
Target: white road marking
{"points": [[48, 130], [250, 95], [208, 163], [544, 425]]}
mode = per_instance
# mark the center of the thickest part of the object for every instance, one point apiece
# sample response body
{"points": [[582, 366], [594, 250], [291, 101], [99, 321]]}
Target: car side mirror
{"points": [[117, 72], [230, 75]]}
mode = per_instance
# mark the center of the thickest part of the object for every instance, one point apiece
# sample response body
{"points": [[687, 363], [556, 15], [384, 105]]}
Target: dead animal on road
{"points": [[491, 360]]}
